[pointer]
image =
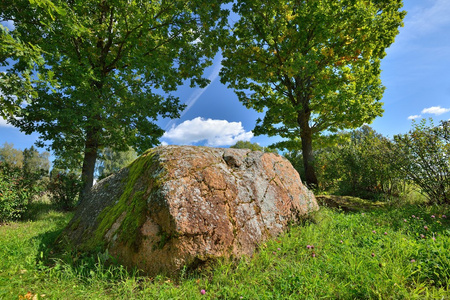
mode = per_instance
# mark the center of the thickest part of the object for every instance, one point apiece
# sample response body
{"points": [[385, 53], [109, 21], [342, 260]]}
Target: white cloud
{"points": [[199, 92], [215, 132], [414, 117], [3, 123], [435, 110]]}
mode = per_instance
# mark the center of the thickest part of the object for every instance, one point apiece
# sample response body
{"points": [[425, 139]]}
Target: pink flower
{"points": [[202, 292], [425, 227], [413, 260], [385, 233], [413, 216], [433, 216], [278, 249], [373, 254], [404, 220], [422, 236], [309, 247], [342, 242], [374, 231], [444, 216], [313, 255]]}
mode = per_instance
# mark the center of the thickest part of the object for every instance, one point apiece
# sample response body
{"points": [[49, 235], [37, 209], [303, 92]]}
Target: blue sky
{"points": [[416, 74]]}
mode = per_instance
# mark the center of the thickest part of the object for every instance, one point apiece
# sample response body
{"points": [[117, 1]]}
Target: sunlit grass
{"points": [[394, 252]]}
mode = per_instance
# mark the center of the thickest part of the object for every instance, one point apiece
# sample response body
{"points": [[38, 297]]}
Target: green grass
{"points": [[334, 255]]}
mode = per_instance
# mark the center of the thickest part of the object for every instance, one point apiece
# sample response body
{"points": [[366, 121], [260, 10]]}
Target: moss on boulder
{"points": [[181, 206]]}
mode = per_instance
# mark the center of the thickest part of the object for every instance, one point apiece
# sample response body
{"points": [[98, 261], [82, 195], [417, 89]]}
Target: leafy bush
{"points": [[356, 164], [364, 166], [422, 156], [64, 188], [16, 192]]}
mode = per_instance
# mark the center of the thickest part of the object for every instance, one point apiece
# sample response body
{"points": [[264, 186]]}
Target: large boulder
{"points": [[179, 206]]}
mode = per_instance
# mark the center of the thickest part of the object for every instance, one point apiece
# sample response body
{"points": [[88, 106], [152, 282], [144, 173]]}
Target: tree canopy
{"points": [[16, 84], [309, 65], [108, 70]]}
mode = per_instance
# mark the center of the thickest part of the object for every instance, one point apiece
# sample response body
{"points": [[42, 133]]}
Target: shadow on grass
{"points": [[423, 221], [41, 210], [349, 203]]}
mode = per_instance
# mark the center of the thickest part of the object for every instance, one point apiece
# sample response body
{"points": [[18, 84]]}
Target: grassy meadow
{"points": [[367, 252]]}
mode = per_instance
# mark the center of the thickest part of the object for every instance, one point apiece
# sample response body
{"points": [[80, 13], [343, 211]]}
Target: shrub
{"points": [[356, 164], [422, 155], [15, 192], [64, 188], [365, 168]]}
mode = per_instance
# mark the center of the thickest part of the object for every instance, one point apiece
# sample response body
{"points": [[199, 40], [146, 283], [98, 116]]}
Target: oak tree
{"points": [[109, 69], [310, 65], [16, 83]]}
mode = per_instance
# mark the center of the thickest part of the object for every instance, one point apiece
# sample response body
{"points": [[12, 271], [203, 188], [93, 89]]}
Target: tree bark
{"points": [[90, 157], [307, 150], [308, 159]]}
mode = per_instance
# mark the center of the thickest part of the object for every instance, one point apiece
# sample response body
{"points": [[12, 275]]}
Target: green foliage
{"points": [[64, 188], [422, 156], [253, 147], [22, 176], [356, 164], [11, 155], [16, 84], [112, 161], [13, 195], [35, 162], [309, 65], [17, 189], [109, 70], [329, 257]]}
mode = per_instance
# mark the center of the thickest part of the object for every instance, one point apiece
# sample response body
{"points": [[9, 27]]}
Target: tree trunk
{"points": [[90, 157], [308, 155]]}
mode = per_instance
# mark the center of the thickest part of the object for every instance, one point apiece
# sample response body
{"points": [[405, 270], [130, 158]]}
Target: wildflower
{"points": [[433, 216], [444, 216], [413, 260], [404, 220], [425, 227], [342, 242], [309, 246], [373, 254], [413, 216], [385, 233], [278, 249], [274, 252], [203, 292], [434, 239], [374, 231], [422, 236], [313, 254]]}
